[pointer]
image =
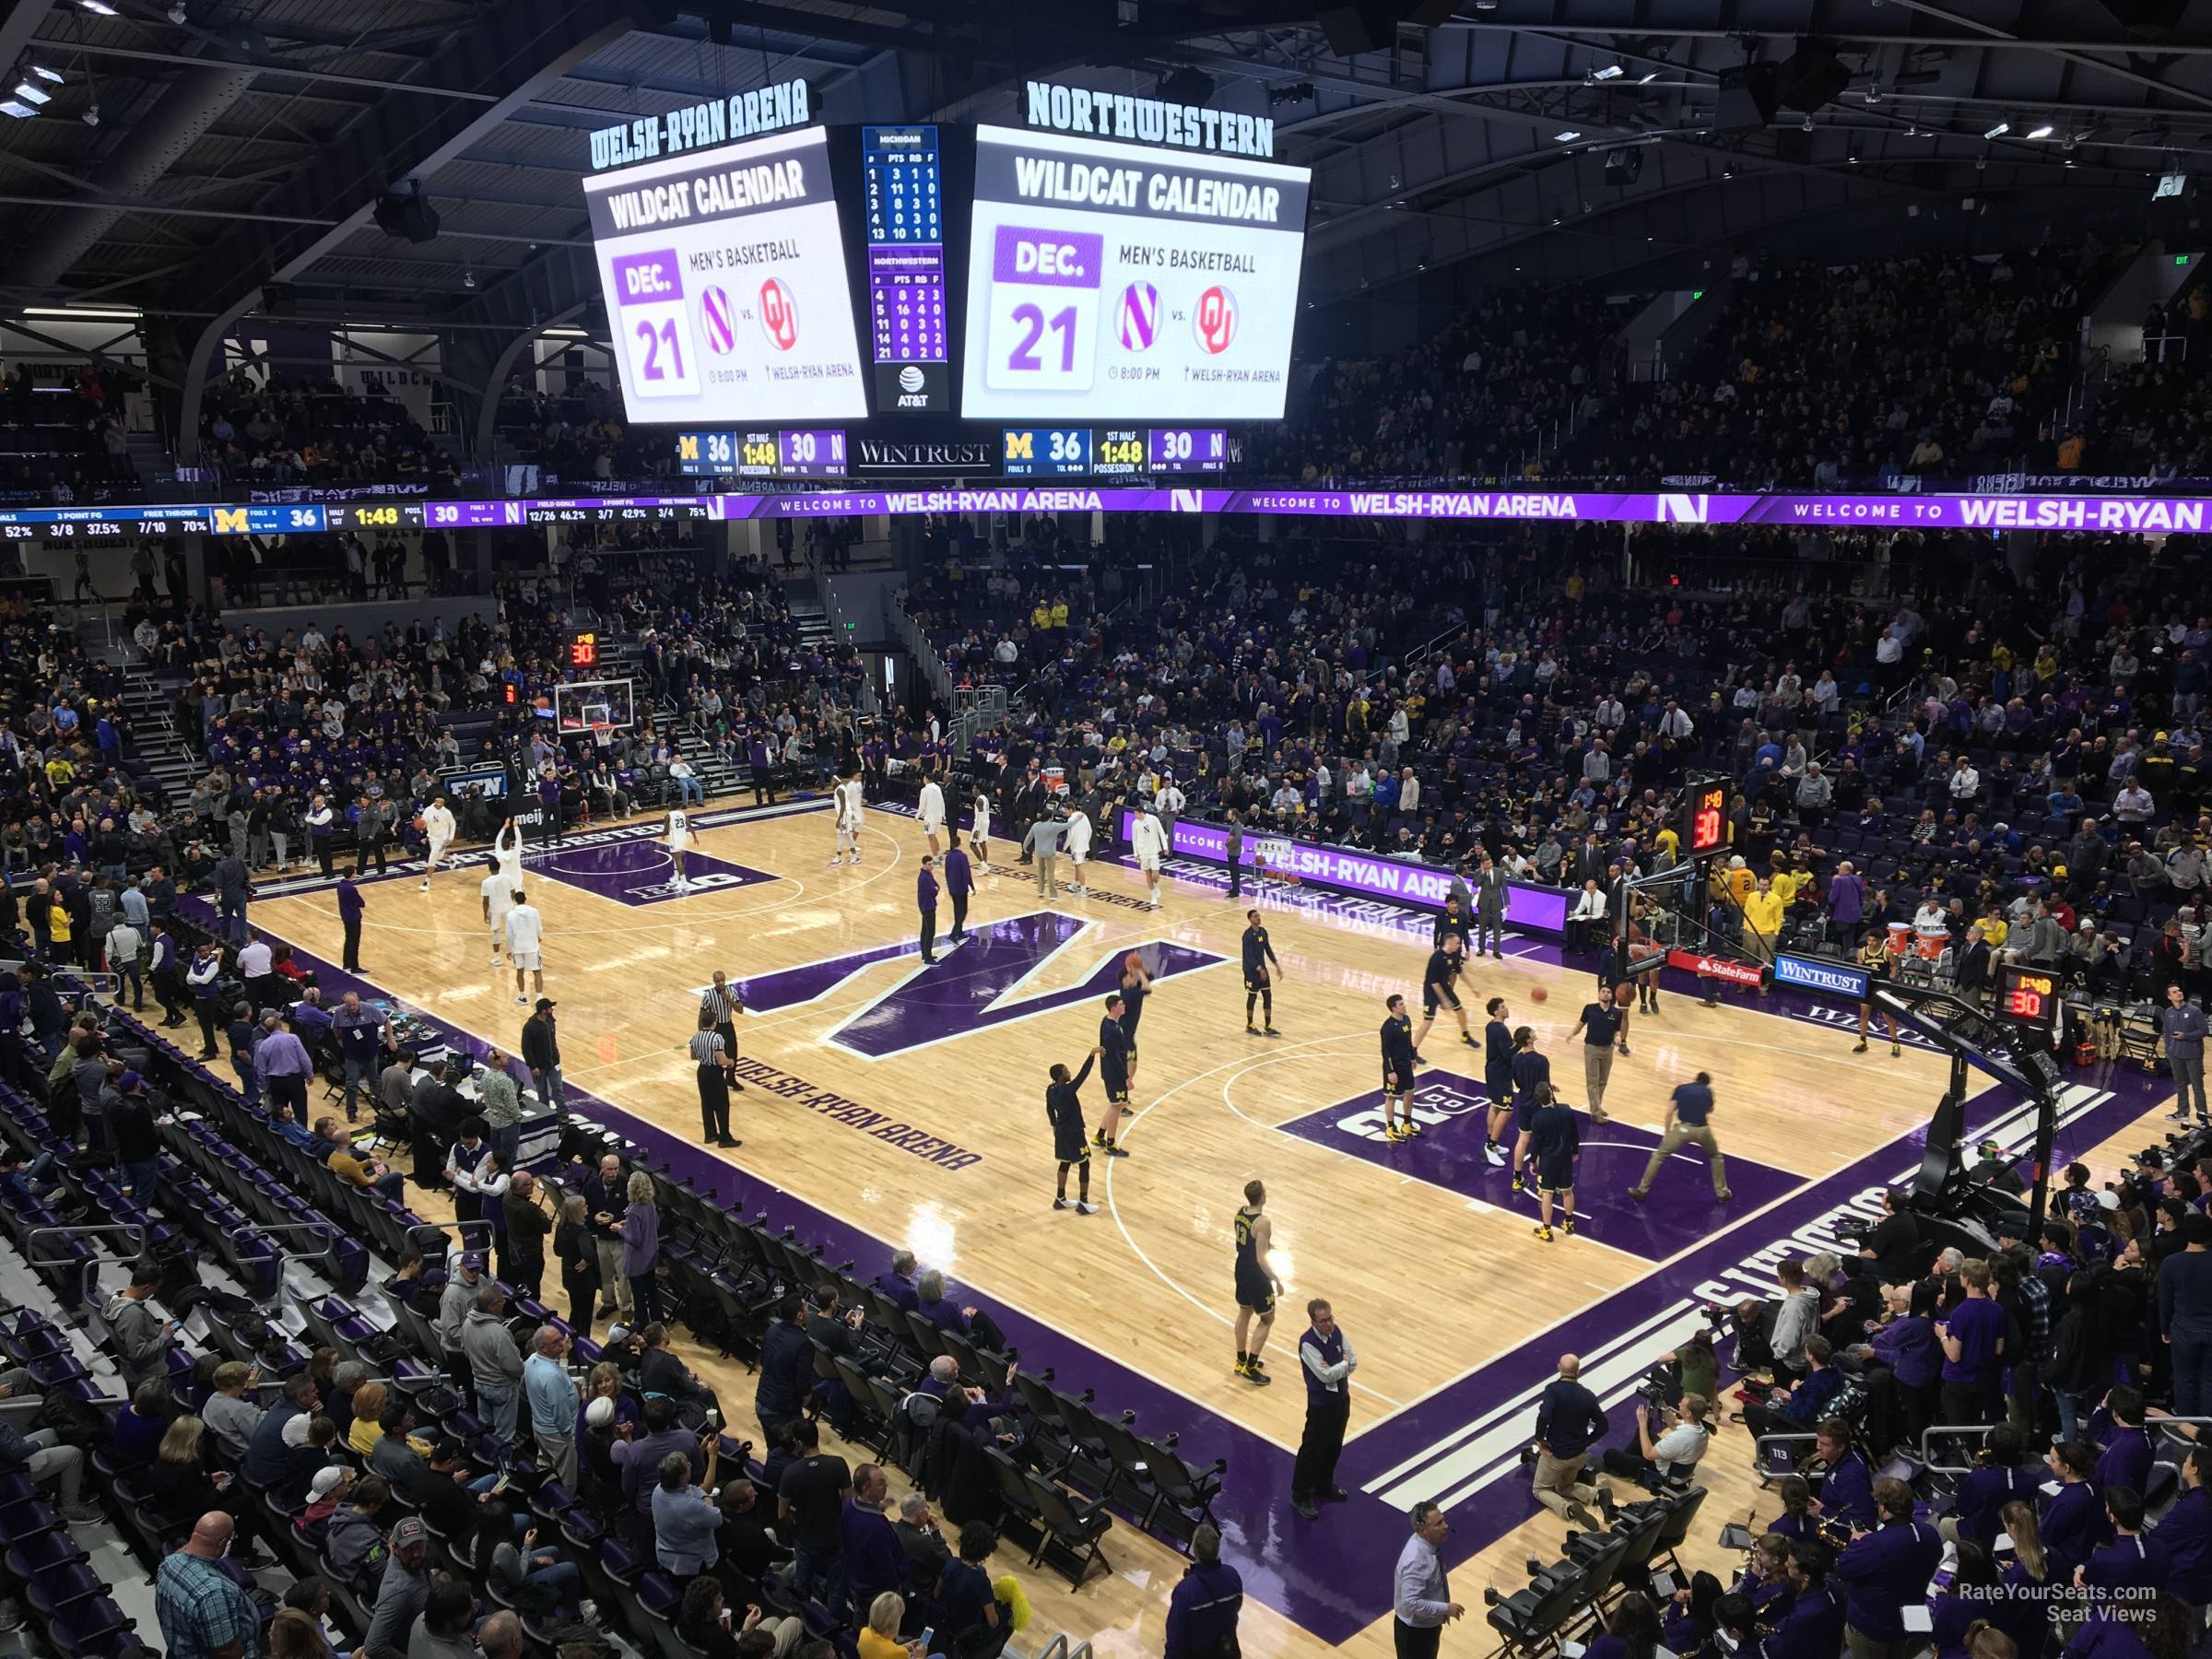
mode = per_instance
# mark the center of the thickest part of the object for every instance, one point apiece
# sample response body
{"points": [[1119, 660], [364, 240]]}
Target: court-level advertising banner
{"points": [[725, 278], [1112, 281]]}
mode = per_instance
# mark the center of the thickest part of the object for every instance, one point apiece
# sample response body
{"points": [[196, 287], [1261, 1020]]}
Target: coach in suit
{"points": [[1490, 907]]}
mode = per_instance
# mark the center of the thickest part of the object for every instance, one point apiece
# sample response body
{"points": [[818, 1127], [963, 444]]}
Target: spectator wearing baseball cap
{"points": [[137, 1145], [403, 1593], [541, 1054]]}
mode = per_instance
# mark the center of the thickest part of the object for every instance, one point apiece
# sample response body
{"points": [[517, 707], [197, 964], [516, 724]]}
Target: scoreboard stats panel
{"points": [[1114, 281], [904, 207], [724, 279]]}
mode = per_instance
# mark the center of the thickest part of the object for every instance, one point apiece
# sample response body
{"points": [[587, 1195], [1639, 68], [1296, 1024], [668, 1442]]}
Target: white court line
{"points": [[1127, 1237]]}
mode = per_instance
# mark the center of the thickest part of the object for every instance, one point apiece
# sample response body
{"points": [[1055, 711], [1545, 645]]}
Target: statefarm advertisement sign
{"points": [[1719, 968]]}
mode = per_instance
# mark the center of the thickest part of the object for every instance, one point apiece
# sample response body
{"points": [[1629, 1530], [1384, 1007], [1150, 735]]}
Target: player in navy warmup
{"points": [[1063, 1110], [1397, 1073], [1259, 983]]}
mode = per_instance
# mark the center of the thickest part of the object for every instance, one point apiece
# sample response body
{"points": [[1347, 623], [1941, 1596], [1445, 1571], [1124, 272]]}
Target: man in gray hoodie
{"points": [[141, 1337], [453, 1304], [495, 1361]]}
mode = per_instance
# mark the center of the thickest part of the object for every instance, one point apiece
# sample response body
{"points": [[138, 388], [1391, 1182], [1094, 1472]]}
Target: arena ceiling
{"points": [[244, 143]]}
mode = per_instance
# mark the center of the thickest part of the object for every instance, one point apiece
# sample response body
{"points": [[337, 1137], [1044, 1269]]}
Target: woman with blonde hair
{"points": [[880, 1640], [641, 1231], [2032, 1585], [368, 1418]]}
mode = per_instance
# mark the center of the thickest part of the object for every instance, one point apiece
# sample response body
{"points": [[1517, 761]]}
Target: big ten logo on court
{"points": [[779, 315], [697, 884], [1433, 1104]]}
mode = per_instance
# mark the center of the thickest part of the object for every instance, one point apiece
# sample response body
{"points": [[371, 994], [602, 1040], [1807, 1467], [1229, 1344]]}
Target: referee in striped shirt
{"points": [[713, 1057], [720, 1007]]}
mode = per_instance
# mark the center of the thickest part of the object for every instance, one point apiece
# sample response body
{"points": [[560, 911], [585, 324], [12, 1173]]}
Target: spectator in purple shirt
{"points": [[1846, 901], [1973, 1342], [281, 1061]]}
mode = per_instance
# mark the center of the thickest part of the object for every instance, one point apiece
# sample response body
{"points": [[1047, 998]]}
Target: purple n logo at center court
{"points": [[1453, 1111], [972, 987], [639, 872]]}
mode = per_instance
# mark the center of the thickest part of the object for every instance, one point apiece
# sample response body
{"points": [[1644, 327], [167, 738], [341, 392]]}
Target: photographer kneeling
{"points": [[1674, 1453]]}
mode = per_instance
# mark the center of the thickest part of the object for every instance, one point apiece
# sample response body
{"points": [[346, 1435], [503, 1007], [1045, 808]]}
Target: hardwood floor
{"points": [[907, 1102]]}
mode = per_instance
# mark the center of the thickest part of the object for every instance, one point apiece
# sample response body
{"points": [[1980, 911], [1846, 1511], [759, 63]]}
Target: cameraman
{"points": [[1674, 1453]]}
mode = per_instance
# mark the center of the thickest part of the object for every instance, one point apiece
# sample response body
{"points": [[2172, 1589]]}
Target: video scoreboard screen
{"points": [[1112, 451], [724, 279], [903, 183], [819, 453], [1114, 281]]}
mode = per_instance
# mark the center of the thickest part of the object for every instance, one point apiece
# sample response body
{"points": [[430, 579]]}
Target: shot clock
{"points": [[2029, 997], [1705, 818]]}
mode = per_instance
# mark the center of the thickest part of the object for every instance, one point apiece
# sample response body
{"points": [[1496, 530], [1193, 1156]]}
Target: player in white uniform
{"points": [[501, 891], [982, 831], [851, 811], [525, 935], [1149, 842], [679, 843], [933, 813], [1078, 847], [438, 824], [508, 854]]}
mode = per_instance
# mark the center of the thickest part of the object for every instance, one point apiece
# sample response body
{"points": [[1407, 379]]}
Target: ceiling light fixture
{"points": [[1569, 136], [1610, 71], [92, 115], [2042, 132], [18, 108], [1642, 80], [45, 74], [31, 92], [98, 8], [1998, 131]]}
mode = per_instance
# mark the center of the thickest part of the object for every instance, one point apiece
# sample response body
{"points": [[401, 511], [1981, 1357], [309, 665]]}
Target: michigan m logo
{"points": [[230, 521]]}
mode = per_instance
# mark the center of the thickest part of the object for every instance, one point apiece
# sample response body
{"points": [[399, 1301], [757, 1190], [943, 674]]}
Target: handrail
{"points": [[329, 1231], [91, 1264], [1963, 1431]]}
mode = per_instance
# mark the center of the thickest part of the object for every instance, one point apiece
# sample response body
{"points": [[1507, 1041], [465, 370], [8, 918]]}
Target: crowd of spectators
{"points": [[64, 442], [320, 746], [1814, 375], [273, 428], [2037, 745]]}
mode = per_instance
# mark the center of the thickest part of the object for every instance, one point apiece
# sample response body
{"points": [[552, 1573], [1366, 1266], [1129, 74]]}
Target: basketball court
{"points": [[889, 1104]]}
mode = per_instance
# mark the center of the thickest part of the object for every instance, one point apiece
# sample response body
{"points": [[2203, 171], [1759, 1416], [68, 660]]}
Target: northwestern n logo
{"points": [[971, 988]]}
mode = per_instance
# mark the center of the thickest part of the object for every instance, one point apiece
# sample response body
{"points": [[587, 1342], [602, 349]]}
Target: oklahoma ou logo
{"points": [[971, 988]]}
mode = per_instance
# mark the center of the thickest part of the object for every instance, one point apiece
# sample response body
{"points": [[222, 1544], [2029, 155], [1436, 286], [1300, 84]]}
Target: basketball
{"points": [[1536, 994], [1624, 993], [1131, 962]]}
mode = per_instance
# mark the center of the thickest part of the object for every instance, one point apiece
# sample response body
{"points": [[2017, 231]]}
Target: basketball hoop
{"points": [[603, 733]]}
